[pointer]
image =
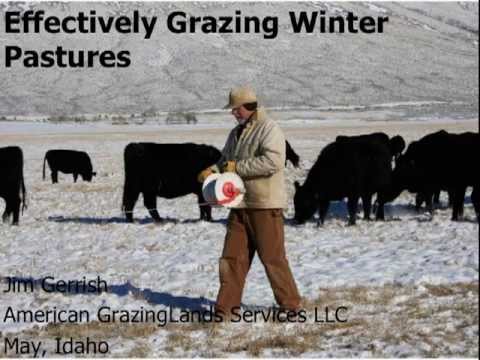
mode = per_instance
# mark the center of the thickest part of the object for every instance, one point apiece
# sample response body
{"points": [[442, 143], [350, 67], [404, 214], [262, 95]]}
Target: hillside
{"points": [[428, 52]]}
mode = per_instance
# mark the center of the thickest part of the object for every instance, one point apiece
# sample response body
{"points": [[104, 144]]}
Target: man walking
{"points": [[255, 150]]}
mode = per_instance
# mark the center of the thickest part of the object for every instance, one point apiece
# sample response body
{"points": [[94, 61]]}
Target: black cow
{"points": [[12, 186], [396, 144], [69, 162], [349, 167], [377, 137], [291, 155], [441, 161], [420, 198], [165, 170]]}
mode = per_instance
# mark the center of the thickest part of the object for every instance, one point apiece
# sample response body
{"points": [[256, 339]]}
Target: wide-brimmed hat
{"points": [[240, 96]]}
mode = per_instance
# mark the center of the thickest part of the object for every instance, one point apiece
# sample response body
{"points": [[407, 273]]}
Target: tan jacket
{"points": [[260, 161]]}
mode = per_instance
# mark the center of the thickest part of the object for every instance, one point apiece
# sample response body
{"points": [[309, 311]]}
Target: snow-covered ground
{"points": [[75, 230], [410, 283]]}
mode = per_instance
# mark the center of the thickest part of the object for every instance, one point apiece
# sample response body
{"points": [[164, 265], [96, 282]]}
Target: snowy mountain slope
{"points": [[429, 51]]}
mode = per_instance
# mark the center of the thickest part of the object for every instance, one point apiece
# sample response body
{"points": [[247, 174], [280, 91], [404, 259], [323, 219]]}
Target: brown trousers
{"points": [[248, 231]]}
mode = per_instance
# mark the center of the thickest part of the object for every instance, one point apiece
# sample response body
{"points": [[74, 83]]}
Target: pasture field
{"points": [[409, 284]]}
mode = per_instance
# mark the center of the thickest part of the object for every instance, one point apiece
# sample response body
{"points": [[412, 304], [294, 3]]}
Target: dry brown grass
{"points": [[307, 337], [442, 290], [179, 340], [448, 290], [375, 318], [435, 321], [289, 343], [141, 350], [153, 247], [358, 295], [94, 329]]}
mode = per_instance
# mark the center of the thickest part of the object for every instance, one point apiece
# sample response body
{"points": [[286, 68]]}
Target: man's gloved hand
{"points": [[204, 174], [229, 166]]}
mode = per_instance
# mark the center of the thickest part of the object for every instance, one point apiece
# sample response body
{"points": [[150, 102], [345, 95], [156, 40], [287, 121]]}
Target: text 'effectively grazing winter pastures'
{"points": [[177, 22]]}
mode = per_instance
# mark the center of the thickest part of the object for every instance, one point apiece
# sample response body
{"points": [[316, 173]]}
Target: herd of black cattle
{"points": [[351, 167]]}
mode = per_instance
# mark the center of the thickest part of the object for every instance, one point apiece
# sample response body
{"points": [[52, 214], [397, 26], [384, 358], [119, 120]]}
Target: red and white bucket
{"points": [[225, 189]]}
